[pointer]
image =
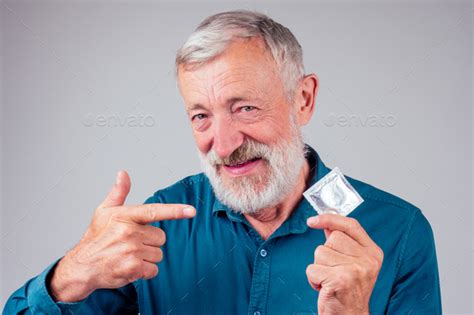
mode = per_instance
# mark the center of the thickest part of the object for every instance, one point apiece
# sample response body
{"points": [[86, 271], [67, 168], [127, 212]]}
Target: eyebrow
{"points": [[231, 101], [196, 106]]}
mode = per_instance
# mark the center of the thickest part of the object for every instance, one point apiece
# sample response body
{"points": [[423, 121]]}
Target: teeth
{"points": [[243, 162], [236, 164]]}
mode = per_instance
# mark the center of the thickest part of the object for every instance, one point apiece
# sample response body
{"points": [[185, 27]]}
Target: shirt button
{"points": [[257, 312], [263, 253]]}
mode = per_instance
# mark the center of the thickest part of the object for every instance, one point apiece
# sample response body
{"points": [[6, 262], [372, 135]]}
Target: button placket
{"points": [[260, 279]]}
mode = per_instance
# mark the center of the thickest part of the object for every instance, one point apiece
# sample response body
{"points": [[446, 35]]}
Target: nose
{"points": [[227, 137]]}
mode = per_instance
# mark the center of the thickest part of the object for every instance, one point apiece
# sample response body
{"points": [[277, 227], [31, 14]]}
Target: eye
{"points": [[247, 108], [198, 117]]}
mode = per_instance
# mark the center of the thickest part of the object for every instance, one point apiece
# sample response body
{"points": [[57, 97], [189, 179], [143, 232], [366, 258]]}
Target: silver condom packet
{"points": [[333, 194]]}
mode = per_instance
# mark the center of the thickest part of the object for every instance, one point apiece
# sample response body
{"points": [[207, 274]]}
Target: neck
{"points": [[268, 220]]}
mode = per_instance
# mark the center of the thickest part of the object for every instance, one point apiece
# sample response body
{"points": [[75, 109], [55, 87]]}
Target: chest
{"points": [[229, 269]]}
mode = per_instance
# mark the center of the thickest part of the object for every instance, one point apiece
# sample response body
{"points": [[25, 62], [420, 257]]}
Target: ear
{"points": [[305, 98]]}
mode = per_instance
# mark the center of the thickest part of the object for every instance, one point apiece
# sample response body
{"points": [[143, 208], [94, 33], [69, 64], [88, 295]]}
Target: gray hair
{"points": [[213, 36]]}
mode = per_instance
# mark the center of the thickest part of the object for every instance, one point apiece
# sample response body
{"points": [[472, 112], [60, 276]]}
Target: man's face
{"points": [[242, 123]]}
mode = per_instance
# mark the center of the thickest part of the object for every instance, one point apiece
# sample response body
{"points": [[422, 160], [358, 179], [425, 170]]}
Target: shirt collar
{"points": [[296, 223]]}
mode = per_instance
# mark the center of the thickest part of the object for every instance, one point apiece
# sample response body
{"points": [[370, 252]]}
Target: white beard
{"points": [[252, 193]]}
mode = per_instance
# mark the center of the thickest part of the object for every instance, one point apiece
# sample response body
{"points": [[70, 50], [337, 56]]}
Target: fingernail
{"points": [[189, 212], [312, 220]]}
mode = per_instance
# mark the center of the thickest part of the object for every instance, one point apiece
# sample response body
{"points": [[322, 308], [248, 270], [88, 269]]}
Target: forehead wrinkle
{"points": [[196, 91], [245, 74], [232, 85]]}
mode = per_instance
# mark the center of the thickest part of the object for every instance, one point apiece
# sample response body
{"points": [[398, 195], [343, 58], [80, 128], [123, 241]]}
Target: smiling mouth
{"points": [[242, 168], [241, 164]]}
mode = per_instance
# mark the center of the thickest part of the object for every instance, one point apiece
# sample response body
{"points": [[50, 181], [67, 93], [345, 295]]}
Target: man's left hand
{"points": [[345, 268]]}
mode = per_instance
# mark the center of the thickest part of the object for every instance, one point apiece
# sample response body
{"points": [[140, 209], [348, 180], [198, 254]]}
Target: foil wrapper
{"points": [[333, 194]]}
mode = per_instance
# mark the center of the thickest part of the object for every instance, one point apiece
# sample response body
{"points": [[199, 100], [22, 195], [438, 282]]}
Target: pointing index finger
{"points": [[152, 212]]}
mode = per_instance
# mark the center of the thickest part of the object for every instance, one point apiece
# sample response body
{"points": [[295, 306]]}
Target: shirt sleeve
{"points": [[34, 298], [417, 289]]}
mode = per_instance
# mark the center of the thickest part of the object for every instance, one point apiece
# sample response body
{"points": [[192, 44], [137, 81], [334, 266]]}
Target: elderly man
{"points": [[240, 237]]}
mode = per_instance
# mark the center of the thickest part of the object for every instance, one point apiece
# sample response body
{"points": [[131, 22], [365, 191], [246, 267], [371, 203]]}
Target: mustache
{"points": [[248, 150]]}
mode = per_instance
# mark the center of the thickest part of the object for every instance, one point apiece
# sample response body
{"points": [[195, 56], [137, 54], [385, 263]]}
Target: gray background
{"points": [[394, 109]]}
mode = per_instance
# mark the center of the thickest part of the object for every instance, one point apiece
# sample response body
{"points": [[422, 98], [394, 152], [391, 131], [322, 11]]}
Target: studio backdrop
{"points": [[88, 88]]}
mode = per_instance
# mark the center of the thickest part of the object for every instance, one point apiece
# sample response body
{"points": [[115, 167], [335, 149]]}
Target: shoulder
{"points": [[380, 200], [389, 211], [391, 214]]}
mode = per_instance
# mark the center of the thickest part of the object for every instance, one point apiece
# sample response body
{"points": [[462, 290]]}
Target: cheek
{"points": [[270, 129], [202, 141]]}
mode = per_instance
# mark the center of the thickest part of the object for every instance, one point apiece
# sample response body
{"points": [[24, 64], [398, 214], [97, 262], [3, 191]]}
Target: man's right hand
{"points": [[118, 246]]}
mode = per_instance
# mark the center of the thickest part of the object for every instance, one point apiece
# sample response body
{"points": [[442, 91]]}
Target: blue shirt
{"points": [[216, 263]]}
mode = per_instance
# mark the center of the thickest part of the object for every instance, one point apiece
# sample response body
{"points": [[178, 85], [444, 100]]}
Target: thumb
{"points": [[119, 191]]}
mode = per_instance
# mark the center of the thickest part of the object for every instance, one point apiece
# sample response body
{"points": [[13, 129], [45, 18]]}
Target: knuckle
{"points": [[161, 237], [132, 267], [319, 250], [154, 271], [334, 238], [178, 212], [340, 280], [343, 280], [380, 254], [375, 264], [150, 272], [150, 214], [330, 244], [310, 271], [125, 231], [353, 223], [159, 254], [132, 249], [319, 253], [357, 272]]}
